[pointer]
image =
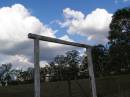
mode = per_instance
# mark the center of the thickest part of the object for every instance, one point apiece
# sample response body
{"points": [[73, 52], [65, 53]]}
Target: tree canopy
{"points": [[119, 40]]}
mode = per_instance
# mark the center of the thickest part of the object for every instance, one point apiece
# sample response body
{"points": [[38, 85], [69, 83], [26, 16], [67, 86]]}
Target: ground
{"points": [[117, 86]]}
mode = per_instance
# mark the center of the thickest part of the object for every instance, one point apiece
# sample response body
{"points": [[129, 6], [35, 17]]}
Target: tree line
{"points": [[63, 67]]}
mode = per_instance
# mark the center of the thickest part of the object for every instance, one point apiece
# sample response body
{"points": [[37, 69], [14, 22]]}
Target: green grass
{"points": [[106, 87]]}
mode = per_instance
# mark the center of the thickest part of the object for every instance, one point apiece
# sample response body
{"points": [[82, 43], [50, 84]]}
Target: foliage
{"points": [[5, 71], [66, 66], [119, 36], [73, 60], [99, 56]]}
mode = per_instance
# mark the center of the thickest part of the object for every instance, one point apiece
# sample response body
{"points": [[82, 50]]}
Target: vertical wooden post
{"points": [[91, 72], [36, 69]]}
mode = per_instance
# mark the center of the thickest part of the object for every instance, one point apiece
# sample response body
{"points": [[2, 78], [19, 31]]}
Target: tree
{"points": [[73, 60], [5, 73], [61, 61], [84, 65], [120, 27], [83, 68], [30, 72], [99, 56], [54, 71], [66, 64], [119, 40]]}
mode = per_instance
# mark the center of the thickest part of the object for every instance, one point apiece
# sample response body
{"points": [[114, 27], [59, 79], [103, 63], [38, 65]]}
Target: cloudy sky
{"points": [[83, 21]]}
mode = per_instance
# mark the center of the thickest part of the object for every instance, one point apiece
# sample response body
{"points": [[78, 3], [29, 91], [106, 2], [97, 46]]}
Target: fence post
{"points": [[36, 69], [91, 72]]}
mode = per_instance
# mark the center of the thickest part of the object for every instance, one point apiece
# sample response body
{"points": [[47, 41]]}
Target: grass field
{"points": [[117, 86]]}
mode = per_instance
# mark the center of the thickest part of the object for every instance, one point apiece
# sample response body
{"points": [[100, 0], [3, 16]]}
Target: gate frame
{"points": [[37, 38]]}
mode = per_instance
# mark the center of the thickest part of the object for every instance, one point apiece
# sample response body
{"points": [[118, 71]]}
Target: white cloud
{"points": [[94, 26], [67, 38], [17, 61], [15, 24], [68, 13], [43, 63]]}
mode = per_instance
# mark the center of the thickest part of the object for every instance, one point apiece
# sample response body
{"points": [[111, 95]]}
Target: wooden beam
{"points": [[44, 38], [91, 72], [36, 69]]}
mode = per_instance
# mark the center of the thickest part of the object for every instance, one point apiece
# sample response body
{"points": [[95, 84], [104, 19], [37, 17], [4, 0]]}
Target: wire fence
{"points": [[112, 86]]}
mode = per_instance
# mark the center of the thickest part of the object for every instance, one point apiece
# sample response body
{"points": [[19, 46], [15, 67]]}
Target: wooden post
{"points": [[91, 72], [36, 69]]}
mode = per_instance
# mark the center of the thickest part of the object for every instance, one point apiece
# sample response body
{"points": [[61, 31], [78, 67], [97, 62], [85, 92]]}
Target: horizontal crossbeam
{"points": [[45, 38]]}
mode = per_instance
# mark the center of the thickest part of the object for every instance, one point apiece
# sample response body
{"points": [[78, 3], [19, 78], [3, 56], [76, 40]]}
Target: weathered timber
{"points": [[36, 69], [49, 39], [91, 72]]}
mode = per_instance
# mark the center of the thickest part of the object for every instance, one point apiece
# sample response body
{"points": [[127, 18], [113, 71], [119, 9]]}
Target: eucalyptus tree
{"points": [[5, 73], [73, 61], [100, 59], [119, 40], [60, 60]]}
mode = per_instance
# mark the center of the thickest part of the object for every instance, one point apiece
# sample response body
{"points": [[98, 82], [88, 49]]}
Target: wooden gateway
{"points": [[54, 40]]}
